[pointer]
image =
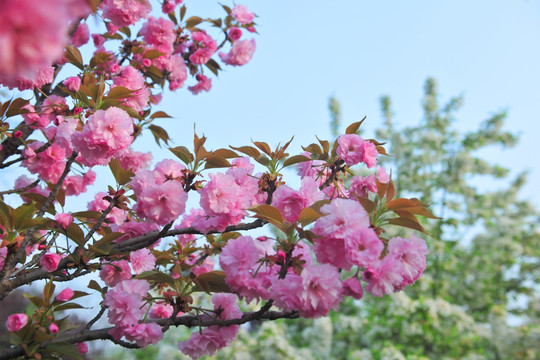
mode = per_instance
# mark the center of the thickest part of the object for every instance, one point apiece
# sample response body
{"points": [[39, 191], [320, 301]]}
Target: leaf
{"points": [[157, 277], [120, 92], [381, 188], [160, 114], [227, 9], [48, 291], [74, 232], [408, 223], [213, 66], [308, 215], [14, 107], [381, 150], [121, 175], [68, 306], [83, 215], [354, 127], [64, 348], [183, 154], [212, 281], [325, 145], [368, 205], [74, 56], [193, 21], [183, 12], [61, 197], [414, 207], [390, 192], [248, 150], [267, 212], [94, 286], [295, 160], [213, 161], [225, 153], [263, 147], [152, 54], [313, 148], [159, 134]]}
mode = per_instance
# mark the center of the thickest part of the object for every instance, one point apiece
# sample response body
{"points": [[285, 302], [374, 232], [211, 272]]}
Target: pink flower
{"points": [[115, 273], [125, 12], [49, 262], [53, 328], [64, 220], [240, 53], [242, 14], [369, 154], [235, 33], [343, 217], [32, 36], [133, 160], [73, 83], [384, 277], [361, 185], [65, 295], [132, 79], [204, 84], [142, 260], [82, 347], [353, 287], [213, 338], [16, 322], [116, 216], [162, 203], [81, 35], [161, 311], [125, 302], [382, 175], [203, 48], [350, 148], [411, 255], [177, 72], [168, 169], [49, 164], [76, 184], [160, 34], [144, 334], [105, 133], [3, 251]]}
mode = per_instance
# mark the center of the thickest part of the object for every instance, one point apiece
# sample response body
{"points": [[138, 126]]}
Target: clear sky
{"points": [[357, 50], [487, 50]]}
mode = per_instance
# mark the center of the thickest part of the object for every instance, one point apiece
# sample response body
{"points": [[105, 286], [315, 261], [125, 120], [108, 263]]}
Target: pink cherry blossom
{"points": [[48, 164], [49, 262], [16, 322], [350, 148], [242, 14], [132, 79], [161, 311], [82, 347], [240, 54], [116, 216], [81, 35], [133, 160], [204, 84], [115, 273], [144, 334], [353, 287], [160, 34], [162, 203], [177, 72], [125, 301], [32, 36], [73, 83], [125, 12], [142, 260], [53, 328], [369, 154], [235, 33], [411, 254], [105, 133], [64, 219], [65, 295]]}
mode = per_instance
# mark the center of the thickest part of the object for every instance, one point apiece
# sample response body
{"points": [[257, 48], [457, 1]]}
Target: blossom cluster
{"points": [[151, 254]]}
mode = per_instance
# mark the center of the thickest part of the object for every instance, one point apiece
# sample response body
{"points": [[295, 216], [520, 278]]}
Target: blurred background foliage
{"points": [[478, 298]]}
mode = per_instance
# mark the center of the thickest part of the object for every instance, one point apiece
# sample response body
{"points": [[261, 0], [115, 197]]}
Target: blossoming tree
{"points": [[152, 254]]}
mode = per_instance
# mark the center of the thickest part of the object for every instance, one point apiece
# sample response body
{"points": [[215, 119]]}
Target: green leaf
{"points": [[308, 215], [120, 92], [121, 175], [183, 154], [64, 348], [74, 232], [212, 281], [74, 56], [213, 161], [193, 21], [159, 134], [95, 286], [160, 114], [152, 54], [84, 215], [156, 276], [267, 212], [295, 160], [68, 306], [354, 127]]}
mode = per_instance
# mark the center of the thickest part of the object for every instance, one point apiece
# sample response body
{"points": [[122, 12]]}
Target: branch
{"points": [[185, 320]]}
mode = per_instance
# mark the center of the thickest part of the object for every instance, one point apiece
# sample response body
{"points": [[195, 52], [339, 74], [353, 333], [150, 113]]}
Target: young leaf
{"points": [[354, 127], [212, 281]]}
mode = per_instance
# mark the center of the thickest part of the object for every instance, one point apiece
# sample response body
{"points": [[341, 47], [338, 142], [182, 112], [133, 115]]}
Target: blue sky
{"points": [[359, 50]]}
